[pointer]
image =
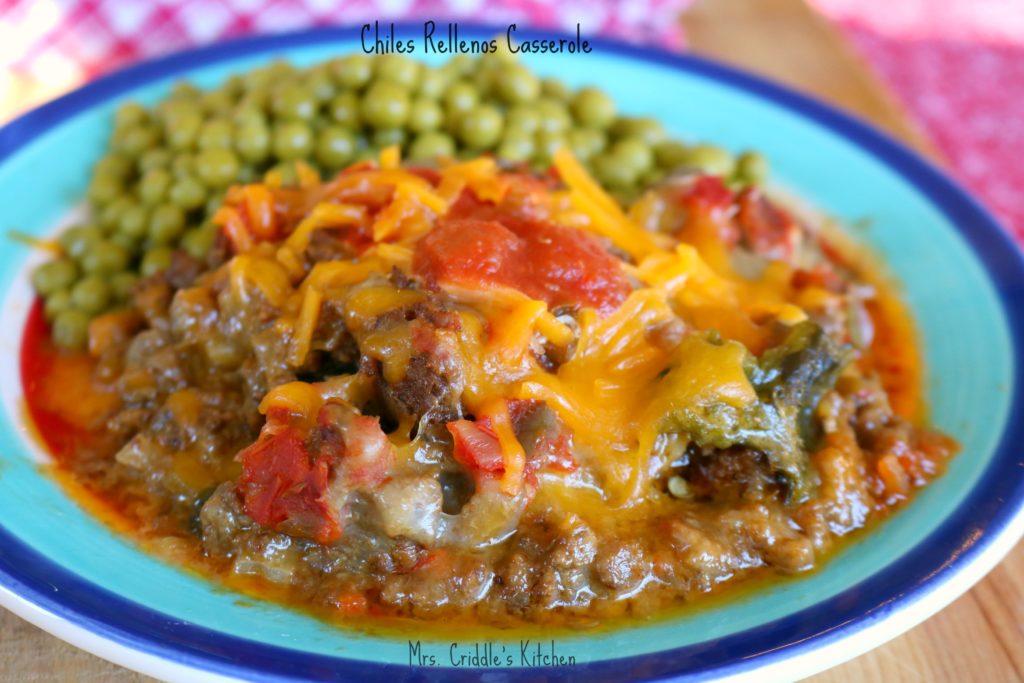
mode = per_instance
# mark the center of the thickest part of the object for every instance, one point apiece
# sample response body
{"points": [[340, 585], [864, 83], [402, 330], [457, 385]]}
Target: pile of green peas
{"points": [[167, 167]]}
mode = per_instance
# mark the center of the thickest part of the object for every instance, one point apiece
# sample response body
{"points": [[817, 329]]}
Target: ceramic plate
{"points": [[961, 275]]}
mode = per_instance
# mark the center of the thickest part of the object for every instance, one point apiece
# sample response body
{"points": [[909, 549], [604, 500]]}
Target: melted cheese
{"points": [[616, 389]]}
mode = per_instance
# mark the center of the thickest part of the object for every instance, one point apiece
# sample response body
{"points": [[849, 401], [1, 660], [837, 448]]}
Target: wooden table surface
{"points": [[980, 637]]}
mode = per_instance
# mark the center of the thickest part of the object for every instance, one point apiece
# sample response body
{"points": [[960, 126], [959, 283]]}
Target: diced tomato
{"points": [[284, 489], [558, 453], [767, 229], [709, 208], [821, 275], [477, 448], [709, 192], [479, 245]]}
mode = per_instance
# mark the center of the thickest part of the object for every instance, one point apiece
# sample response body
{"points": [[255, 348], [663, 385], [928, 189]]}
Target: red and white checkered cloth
{"points": [[958, 65]]}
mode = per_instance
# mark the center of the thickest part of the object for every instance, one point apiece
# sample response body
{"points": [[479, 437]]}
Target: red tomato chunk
{"points": [[558, 265]]}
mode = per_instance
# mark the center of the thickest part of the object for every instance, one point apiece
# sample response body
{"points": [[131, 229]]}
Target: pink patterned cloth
{"points": [[958, 65]]}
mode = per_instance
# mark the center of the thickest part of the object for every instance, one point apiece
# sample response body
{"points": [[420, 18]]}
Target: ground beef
{"points": [[432, 385]]}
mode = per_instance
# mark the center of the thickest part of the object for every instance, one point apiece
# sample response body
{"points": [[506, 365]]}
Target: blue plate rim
{"points": [[991, 509]]}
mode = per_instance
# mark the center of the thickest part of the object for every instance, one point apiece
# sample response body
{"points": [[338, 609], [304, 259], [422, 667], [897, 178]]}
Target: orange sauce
{"points": [[67, 405]]}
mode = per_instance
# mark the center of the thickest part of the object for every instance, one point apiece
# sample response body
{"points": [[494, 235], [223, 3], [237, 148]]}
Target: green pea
{"points": [[110, 216], [612, 173], [386, 137], [116, 166], [247, 174], [671, 154], [154, 185], [635, 153], [258, 95], [154, 158], [252, 142], [248, 113], [398, 69], [54, 275], [593, 108], [516, 146], [280, 69], [134, 220], [217, 167], [185, 90], [644, 127], [215, 201], [104, 258], [344, 109], [295, 102], [79, 239], [652, 177], [172, 107], [320, 84], [586, 142], [130, 243], [218, 101], [752, 168], [483, 78], [104, 189], [460, 97], [183, 165], [56, 302], [122, 285], [709, 159], [155, 260], [130, 114], [432, 83], [385, 105], [555, 89], [71, 329], [199, 241], [459, 65], [292, 140], [546, 143], [424, 115], [523, 118], [503, 55], [516, 84], [184, 128], [431, 145], [481, 127], [233, 85], [335, 146], [166, 224], [91, 295], [216, 134], [553, 116], [255, 80], [353, 71], [135, 140], [187, 192]]}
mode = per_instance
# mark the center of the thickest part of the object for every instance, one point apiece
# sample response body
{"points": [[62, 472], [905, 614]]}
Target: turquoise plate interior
{"points": [[853, 174]]}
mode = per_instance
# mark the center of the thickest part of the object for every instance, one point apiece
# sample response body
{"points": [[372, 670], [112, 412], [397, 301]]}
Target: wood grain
{"points": [[980, 637]]}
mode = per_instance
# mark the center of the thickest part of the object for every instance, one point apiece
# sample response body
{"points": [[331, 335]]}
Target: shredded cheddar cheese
{"points": [[611, 391]]}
